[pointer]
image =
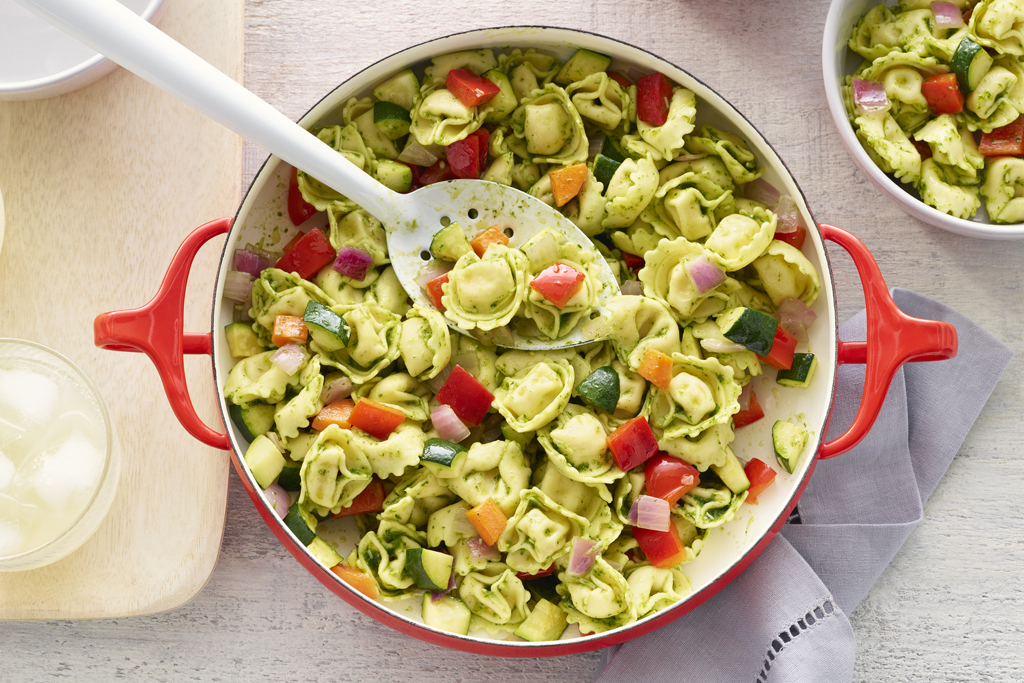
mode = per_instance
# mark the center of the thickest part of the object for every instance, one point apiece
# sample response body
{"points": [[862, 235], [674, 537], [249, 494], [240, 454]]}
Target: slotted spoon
{"points": [[409, 219]]}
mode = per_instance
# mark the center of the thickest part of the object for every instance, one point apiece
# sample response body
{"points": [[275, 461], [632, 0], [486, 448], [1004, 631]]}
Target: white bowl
{"points": [[38, 60], [837, 63]]}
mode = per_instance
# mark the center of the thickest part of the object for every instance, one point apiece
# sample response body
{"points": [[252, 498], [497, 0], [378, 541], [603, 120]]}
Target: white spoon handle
{"points": [[118, 33]]}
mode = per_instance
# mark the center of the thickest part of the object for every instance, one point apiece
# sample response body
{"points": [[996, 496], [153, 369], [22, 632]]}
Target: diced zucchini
{"points": [[970, 63], [328, 329], [441, 452], [505, 102], [601, 388], [253, 419], [611, 149], [581, 65], [264, 460], [394, 175], [749, 327], [543, 587], [731, 473], [242, 341], [323, 551], [546, 622], [510, 434], [392, 120], [375, 138], [289, 478], [400, 89], [450, 243], [429, 569], [301, 522], [448, 614], [789, 441], [800, 374], [604, 169]]}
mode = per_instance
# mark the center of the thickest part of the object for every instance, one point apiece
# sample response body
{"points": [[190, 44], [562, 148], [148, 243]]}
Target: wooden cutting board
{"points": [[100, 186]]}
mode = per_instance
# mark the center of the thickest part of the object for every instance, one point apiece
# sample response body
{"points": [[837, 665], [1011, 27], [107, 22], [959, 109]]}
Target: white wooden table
{"points": [[947, 609]]}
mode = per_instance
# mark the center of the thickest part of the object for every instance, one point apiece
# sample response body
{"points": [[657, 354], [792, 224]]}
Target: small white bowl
{"points": [[837, 63], [38, 60]]}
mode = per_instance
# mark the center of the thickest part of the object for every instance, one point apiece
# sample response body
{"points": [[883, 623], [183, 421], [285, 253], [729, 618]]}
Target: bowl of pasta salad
{"points": [[928, 97], [512, 502]]}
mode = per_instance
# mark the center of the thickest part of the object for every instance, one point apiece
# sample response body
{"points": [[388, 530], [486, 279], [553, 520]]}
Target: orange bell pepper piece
{"points": [[359, 580], [337, 413], [375, 418], [566, 182], [289, 329], [656, 368], [488, 520], [492, 235]]}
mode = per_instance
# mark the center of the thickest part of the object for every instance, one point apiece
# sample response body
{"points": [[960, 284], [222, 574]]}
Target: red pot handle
{"points": [[155, 329], [894, 338]]}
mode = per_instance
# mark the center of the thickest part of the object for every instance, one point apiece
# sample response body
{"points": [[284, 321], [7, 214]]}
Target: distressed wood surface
{"points": [[100, 187], [947, 609]]}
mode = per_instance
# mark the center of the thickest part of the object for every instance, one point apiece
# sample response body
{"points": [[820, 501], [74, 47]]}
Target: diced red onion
{"points": [[479, 550], [278, 499], [237, 285], [339, 388], [596, 145], [353, 263], [715, 345], [635, 74], [437, 381], [706, 274], [651, 513], [543, 252], [289, 358], [247, 262], [581, 558], [437, 595], [947, 15], [275, 439], [744, 398], [632, 288], [869, 96], [418, 155], [761, 191], [795, 317], [789, 217], [431, 271], [461, 526], [500, 336], [448, 424], [614, 565]]}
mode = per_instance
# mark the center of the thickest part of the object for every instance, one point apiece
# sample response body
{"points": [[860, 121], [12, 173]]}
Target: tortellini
{"points": [[335, 470], [294, 415], [381, 554], [484, 293], [257, 378], [399, 390], [1004, 190], [629, 191], [668, 139], [686, 205], [701, 394], [636, 324], [539, 533], [710, 505], [495, 594], [785, 273], [999, 24], [425, 343], [439, 118], [374, 334], [598, 601], [496, 470], [731, 149], [279, 293], [601, 101], [653, 589], [665, 278], [532, 397], [940, 188], [889, 146], [576, 445], [550, 126], [739, 239]]}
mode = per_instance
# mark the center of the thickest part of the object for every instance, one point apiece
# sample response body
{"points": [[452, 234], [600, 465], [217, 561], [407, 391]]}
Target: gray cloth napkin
{"points": [[854, 515]]}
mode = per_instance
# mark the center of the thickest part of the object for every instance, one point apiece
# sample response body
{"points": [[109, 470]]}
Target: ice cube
{"points": [[33, 395], [9, 433], [6, 471], [10, 539], [71, 468]]}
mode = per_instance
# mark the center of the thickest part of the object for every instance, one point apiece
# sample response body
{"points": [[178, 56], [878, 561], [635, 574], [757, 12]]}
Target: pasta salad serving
{"points": [[937, 101], [516, 491]]}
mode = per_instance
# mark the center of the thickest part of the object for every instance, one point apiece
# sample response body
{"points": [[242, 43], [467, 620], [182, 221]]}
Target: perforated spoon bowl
{"points": [[410, 220]]}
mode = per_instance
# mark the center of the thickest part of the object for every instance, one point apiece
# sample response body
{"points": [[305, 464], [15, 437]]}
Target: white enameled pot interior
{"points": [[263, 219], [838, 62]]}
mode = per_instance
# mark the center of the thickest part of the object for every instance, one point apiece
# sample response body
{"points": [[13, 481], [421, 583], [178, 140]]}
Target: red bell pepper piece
{"points": [[375, 418], [469, 399], [416, 171], [308, 255], [470, 89], [750, 408], [781, 355], [760, 476], [299, 210], [435, 292], [558, 283], [669, 478], [542, 572], [923, 148], [943, 94], [663, 548], [468, 157], [369, 501], [620, 78], [633, 443], [440, 171], [1006, 141], [633, 262], [654, 92], [795, 238]]}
